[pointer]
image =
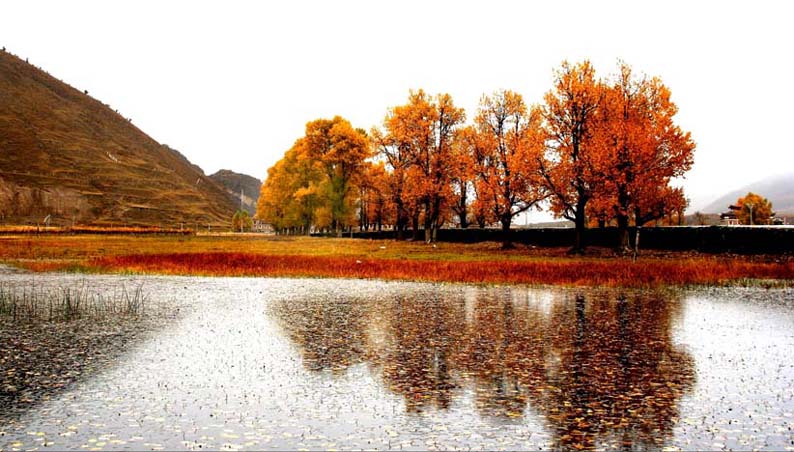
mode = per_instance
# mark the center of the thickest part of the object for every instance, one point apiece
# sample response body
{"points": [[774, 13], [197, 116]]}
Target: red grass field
{"points": [[227, 255], [602, 272]]}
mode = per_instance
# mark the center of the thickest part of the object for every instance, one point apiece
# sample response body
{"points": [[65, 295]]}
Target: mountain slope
{"points": [[779, 190], [238, 185], [65, 154]]}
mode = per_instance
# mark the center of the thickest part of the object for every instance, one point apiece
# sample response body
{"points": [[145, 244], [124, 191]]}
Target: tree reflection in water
{"points": [[424, 345], [600, 367], [618, 377], [328, 332]]}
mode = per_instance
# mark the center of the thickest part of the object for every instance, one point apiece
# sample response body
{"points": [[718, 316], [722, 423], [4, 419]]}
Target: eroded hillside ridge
{"points": [[66, 155], [243, 189]]}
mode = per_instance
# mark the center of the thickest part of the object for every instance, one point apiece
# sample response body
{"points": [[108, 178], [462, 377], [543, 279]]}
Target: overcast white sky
{"points": [[232, 84]]}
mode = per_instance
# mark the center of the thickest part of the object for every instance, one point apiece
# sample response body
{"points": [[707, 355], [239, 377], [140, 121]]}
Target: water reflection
{"points": [[600, 368], [424, 345], [617, 377], [329, 332]]}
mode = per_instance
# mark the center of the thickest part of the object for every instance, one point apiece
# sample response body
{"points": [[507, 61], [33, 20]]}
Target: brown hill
{"points": [[69, 156], [239, 185]]}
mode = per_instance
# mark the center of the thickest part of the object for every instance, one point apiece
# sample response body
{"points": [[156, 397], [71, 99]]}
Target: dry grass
{"points": [[256, 255], [82, 247], [612, 272], [131, 230]]}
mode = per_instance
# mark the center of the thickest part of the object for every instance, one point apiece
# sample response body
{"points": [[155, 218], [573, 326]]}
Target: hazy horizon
{"points": [[232, 85]]}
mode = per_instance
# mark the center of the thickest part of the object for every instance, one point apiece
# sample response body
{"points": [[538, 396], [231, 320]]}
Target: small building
{"points": [[729, 218], [262, 227]]}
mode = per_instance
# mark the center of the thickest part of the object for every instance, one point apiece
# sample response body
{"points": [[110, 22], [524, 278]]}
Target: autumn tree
{"points": [[481, 208], [418, 145], [508, 145], [645, 151], [375, 208], [396, 162], [241, 221], [270, 207], [314, 184], [434, 156], [340, 151], [661, 201], [463, 176], [572, 167], [289, 196], [753, 209]]}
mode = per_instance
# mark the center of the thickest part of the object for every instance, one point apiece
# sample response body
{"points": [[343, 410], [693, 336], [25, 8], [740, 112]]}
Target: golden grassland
{"points": [[257, 255]]}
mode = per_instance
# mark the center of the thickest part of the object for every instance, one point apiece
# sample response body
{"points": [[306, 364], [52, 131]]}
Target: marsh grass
{"points": [[31, 304], [571, 272]]}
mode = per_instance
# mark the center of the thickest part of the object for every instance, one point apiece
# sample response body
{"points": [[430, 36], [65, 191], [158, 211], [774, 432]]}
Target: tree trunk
{"points": [[507, 238], [432, 213], [623, 234], [402, 220], [580, 223], [428, 221], [415, 225], [481, 222], [464, 223]]}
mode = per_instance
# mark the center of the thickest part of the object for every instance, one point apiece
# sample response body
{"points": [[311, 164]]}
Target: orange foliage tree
{"points": [[375, 208], [645, 151], [289, 196], [397, 160], [507, 141], [463, 176], [419, 145], [753, 209], [573, 165]]}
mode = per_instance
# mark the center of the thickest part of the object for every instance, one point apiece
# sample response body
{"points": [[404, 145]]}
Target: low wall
{"points": [[710, 239]]}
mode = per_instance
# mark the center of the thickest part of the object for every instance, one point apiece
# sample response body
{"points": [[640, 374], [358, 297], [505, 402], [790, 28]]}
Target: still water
{"points": [[348, 364]]}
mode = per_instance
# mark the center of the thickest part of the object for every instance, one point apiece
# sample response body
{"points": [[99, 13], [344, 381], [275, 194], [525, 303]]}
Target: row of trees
{"points": [[602, 151]]}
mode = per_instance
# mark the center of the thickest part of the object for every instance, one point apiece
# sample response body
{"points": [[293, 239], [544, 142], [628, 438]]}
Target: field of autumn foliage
{"points": [[258, 256]]}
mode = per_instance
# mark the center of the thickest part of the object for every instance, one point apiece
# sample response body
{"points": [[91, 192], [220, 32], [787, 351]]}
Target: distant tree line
{"points": [[597, 151]]}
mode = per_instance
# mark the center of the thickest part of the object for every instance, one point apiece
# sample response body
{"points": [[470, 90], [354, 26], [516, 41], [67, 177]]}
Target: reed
{"points": [[68, 303]]}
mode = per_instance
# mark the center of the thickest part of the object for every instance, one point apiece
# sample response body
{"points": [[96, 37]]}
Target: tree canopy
{"points": [[241, 221], [753, 209], [603, 151]]}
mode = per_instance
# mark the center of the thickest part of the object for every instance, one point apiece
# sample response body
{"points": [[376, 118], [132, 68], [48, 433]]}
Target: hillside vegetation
{"points": [[68, 155]]}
